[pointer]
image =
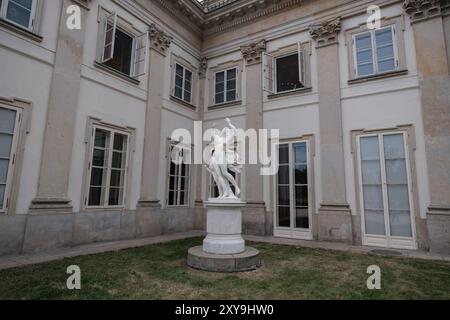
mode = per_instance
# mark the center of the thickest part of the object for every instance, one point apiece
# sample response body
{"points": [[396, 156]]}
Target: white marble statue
{"points": [[224, 158]]}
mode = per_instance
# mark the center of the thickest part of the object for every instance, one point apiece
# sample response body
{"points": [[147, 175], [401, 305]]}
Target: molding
{"points": [[23, 32], [253, 53], [326, 33], [379, 76], [421, 10]]}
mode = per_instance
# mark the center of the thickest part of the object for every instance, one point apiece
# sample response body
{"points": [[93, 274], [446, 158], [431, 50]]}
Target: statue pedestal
{"points": [[224, 248], [224, 227]]}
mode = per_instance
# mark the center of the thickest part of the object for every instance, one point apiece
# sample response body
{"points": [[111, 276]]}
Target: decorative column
{"points": [[149, 208], [432, 65], [200, 216], [334, 217], [254, 215], [52, 192]]}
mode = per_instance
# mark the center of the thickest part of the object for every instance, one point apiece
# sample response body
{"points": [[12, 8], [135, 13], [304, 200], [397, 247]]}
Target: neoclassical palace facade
{"points": [[86, 117]]}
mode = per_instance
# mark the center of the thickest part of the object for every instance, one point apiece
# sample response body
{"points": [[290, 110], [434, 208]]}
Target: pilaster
{"points": [[52, 192], [334, 219]]}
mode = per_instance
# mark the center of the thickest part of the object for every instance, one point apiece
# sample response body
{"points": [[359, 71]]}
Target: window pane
{"points": [[283, 150], [299, 152], [18, 14], [99, 158], [231, 74], [98, 177], [220, 77], [179, 81], [302, 218], [396, 172], [187, 96], [179, 70], [101, 138], [4, 164], [7, 120], [374, 222], [400, 223], [188, 76], [2, 194], [364, 57], [120, 142], [363, 41], [220, 87], [283, 196], [115, 197], [365, 70], [383, 36], [96, 196], [301, 196], [5, 145], [369, 148], [123, 47], [284, 216], [178, 92], [118, 160], [283, 175], [187, 86], [231, 95], [387, 65], [371, 172], [24, 3], [373, 197], [220, 98], [288, 73], [301, 174], [393, 146], [231, 84], [117, 178], [385, 53]]}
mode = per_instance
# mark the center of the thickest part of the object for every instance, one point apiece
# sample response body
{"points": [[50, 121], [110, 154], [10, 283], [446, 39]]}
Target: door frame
{"points": [[292, 232], [388, 241]]}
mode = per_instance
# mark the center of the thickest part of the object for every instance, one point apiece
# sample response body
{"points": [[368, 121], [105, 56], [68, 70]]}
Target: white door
{"points": [[385, 189], [292, 205]]}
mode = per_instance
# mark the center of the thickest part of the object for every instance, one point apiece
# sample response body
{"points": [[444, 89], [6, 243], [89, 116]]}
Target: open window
{"points": [[285, 72], [20, 13], [122, 50]]}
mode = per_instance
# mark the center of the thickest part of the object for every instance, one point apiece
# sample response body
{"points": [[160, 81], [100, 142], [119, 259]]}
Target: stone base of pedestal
{"points": [[246, 261]]}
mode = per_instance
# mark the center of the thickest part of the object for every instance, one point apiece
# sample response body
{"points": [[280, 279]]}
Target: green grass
{"points": [[160, 272]]}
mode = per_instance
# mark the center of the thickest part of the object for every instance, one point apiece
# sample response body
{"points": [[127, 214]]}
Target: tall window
{"points": [[108, 168], [385, 188], [225, 86], [9, 119], [183, 83], [375, 52], [179, 175], [19, 12], [121, 50], [292, 186]]}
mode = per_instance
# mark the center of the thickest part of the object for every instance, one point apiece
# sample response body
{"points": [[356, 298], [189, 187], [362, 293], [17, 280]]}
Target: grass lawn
{"points": [[160, 272]]}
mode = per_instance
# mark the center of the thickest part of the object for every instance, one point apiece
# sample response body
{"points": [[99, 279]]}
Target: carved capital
{"points": [[159, 40], [253, 52], [326, 33], [203, 67], [420, 10]]}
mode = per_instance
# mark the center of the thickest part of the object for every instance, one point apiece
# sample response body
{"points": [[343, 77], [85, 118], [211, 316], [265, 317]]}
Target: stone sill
{"points": [[116, 73], [30, 35], [224, 105], [378, 76], [183, 103], [289, 93]]}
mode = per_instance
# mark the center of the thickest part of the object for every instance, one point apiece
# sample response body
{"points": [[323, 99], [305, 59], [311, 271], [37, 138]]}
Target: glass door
{"points": [[292, 212], [387, 218]]}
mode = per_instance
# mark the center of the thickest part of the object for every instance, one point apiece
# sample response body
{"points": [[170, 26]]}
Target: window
{"points": [[183, 83], [9, 123], [385, 187], [179, 175], [375, 52], [122, 51], [292, 183], [225, 86], [286, 72], [19, 12], [108, 168]]}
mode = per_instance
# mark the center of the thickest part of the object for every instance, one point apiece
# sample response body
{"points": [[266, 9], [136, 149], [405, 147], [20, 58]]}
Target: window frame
{"points": [[292, 231], [225, 72], [31, 22], [387, 240], [113, 130], [301, 69], [13, 159], [176, 63], [120, 24], [187, 190]]}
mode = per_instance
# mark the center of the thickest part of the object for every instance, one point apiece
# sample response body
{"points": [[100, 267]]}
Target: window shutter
{"points": [[268, 81], [301, 65], [107, 35], [140, 61]]}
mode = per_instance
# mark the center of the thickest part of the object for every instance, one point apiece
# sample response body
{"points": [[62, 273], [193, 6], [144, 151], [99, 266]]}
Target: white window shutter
{"points": [[301, 65], [140, 61], [268, 81], [108, 26]]}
